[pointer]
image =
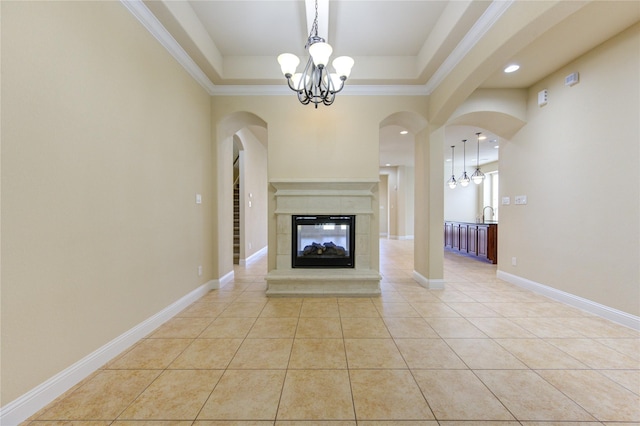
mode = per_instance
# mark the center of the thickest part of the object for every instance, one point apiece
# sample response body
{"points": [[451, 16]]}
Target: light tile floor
{"points": [[479, 352]]}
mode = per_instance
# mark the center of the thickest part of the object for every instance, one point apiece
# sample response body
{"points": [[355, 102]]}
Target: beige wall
{"points": [[460, 203], [253, 195], [391, 199], [577, 161], [397, 216], [383, 186], [406, 192], [105, 142]]}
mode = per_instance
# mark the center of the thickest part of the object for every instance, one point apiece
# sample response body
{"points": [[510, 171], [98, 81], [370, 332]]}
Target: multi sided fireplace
{"points": [[323, 241]]}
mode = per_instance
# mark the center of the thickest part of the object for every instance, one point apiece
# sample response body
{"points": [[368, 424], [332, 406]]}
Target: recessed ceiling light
{"points": [[483, 137], [496, 147], [512, 68], [388, 164], [404, 132], [448, 160]]}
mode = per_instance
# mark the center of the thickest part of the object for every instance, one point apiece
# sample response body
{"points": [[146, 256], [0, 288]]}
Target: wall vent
{"points": [[572, 79]]}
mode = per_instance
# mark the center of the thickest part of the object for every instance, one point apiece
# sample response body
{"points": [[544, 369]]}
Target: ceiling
{"points": [[395, 43]]}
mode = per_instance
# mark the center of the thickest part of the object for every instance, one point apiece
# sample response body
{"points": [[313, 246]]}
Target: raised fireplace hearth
{"points": [[326, 240]]}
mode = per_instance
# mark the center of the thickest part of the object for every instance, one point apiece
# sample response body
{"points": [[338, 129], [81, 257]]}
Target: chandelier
{"points": [[477, 176], [452, 181], [315, 84], [464, 178]]}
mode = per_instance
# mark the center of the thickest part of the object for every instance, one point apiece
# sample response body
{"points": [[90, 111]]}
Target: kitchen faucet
{"points": [[487, 207]]}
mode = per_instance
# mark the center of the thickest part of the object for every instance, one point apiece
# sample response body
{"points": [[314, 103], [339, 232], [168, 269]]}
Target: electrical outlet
{"points": [[514, 261], [521, 199], [200, 270]]}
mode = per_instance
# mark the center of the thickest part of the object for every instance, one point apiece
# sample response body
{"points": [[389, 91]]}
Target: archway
{"points": [[398, 173], [248, 133], [498, 115]]}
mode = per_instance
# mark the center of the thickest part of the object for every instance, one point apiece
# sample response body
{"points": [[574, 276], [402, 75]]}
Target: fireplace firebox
{"points": [[323, 241]]}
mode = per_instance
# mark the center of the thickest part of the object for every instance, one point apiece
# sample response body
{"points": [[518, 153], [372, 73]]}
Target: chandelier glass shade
{"points": [[477, 177], [464, 178], [316, 84], [452, 180]]}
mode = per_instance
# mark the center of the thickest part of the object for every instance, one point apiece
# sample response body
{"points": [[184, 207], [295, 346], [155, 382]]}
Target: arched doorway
{"points": [[397, 140], [241, 162]]}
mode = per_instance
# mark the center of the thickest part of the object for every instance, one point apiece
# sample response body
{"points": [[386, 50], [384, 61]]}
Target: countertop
{"points": [[474, 223]]}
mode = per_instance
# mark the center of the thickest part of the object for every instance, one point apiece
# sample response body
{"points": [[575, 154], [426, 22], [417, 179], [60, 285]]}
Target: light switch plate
{"points": [[543, 97], [521, 199], [506, 201], [198, 199]]}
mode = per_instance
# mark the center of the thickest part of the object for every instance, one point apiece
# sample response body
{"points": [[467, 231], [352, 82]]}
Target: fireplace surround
{"points": [[329, 198]]}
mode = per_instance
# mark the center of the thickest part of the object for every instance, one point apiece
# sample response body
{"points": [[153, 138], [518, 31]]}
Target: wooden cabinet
{"points": [[448, 234], [474, 239], [455, 238], [464, 237]]}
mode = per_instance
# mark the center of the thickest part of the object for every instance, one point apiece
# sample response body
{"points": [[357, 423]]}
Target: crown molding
{"points": [[157, 30], [355, 90]]}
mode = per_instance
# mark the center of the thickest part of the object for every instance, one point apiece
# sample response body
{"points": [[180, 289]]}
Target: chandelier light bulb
{"points": [[336, 81], [452, 181], [343, 65], [320, 52], [288, 63], [297, 81], [478, 176], [464, 178]]}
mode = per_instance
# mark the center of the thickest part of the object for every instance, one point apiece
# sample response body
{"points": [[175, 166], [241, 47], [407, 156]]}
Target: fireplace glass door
{"points": [[323, 241]]}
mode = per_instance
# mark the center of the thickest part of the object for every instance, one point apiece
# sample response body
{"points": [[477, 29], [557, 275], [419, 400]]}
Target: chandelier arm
{"points": [[340, 89], [304, 100], [290, 84], [328, 99]]}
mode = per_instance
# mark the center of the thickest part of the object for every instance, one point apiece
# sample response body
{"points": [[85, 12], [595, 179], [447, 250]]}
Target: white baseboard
{"points": [[253, 257], [224, 280], [401, 237], [425, 282], [587, 305], [37, 398]]}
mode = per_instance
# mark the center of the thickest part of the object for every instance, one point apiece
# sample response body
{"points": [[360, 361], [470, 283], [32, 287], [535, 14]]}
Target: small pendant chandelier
{"points": [[452, 181], [477, 177], [464, 178], [315, 84]]}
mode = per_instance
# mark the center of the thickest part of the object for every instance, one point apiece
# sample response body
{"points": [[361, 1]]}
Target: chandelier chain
{"points": [[314, 27]]}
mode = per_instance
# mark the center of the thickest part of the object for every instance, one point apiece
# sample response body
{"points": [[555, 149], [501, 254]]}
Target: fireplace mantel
{"points": [[332, 197]]}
